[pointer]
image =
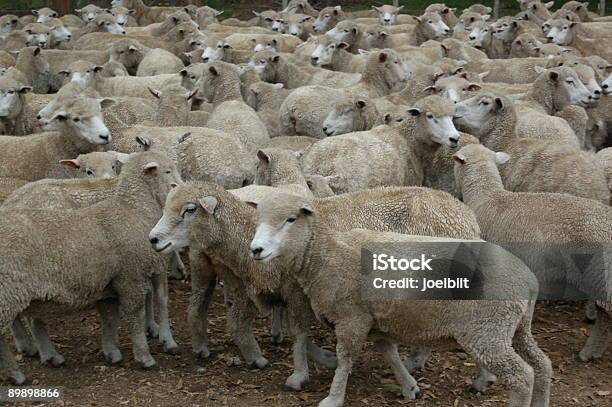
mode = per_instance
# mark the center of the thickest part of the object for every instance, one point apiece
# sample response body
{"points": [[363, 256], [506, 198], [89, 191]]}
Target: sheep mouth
{"points": [[262, 258], [159, 250]]}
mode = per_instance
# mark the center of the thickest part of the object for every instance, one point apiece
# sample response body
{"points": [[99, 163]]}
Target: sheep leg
{"points": [[410, 388], [160, 287], [417, 359], [300, 373], [590, 312], [323, 357], [203, 282], [151, 326], [276, 332], [241, 313], [599, 337], [109, 315], [484, 379], [48, 354], [8, 364], [528, 349], [351, 335], [22, 338], [498, 356], [177, 268]]}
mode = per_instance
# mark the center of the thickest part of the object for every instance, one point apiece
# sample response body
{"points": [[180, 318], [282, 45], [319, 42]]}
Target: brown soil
{"points": [[183, 381]]}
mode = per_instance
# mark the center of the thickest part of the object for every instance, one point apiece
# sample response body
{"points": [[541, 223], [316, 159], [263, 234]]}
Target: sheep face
{"points": [[327, 18], [296, 23], [559, 31], [282, 228], [204, 16], [525, 45], [580, 9], [128, 53], [396, 71], [269, 45], [539, 9], [279, 25], [90, 12], [453, 88], [8, 23], [344, 31], [480, 35], [266, 18], [44, 14], [107, 23], [122, 15], [344, 118], [38, 34], [103, 165], [472, 154], [118, 3], [183, 206], [588, 79], [11, 102], [215, 53], [387, 15], [60, 33], [432, 26], [82, 118], [567, 87], [505, 29], [466, 20], [607, 85], [479, 9], [324, 52], [434, 117], [474, 113], [81, 73], [264, 65]]}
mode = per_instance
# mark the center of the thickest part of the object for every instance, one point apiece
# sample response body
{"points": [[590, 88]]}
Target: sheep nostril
{"points": [[153, 240], [38, 117], [257, 251], [598, 92], [472, 38], [103, 136]]}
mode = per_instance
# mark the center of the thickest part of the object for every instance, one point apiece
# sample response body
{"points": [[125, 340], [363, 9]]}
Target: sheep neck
{"points": [[480, 179], [133, 192], [287, 174], [292, 76], [73, 142], [170, 115], [228, 88], [374, 81], [499, 133], [341, 60], [421, 149], [541, 93]]}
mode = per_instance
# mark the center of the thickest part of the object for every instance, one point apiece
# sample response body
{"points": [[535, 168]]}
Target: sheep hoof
{"points": [[18, 379], [412, 394], [29, 350], [113, 358], [149, 364], [330, 401], [259, 363], [56, 360], [202, 353], [413, 364], [296, 381], [276, 339], [170, 348], [589, 320], [586, 355], [152, 330]]}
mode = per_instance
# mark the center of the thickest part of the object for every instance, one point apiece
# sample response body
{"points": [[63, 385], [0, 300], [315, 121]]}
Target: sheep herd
{"points": [[270, 152]]}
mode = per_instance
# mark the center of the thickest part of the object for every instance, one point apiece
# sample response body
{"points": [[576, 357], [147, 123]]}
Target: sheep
{"points": [[8, 23], [605, 158], [113, 69], [206, 16], [159, 61], [397, 155], [123, 16], [143, 14], [128, 52], [60, 60], [481, 37], [266, 99], [600, 122], [483, 191], [36, 68], [328, 17], [349, 32], [300, 7], [358, 208], [466, 19], [282, 42], [134, 86], [479, 8], [384, 72], [220, 85], [581, 10], [357, 114], [447, 13], [220, 51], [37, 156], [455, 88], [144, 184], [174, 107], [536, 165], [430, 26], [58, 33], [89, 12], [99, 164], [305, 234], [12, 105], [296, 25], [38, 34], [73, 21], [320, 185], [200, 153], [280, 168], [103, 23], [389, 15], [566, 33], [333, 55], [526, 45], [158, 29]]}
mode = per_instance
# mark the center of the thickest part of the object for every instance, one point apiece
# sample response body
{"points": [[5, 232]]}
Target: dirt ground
{"points": [[183, 381]]}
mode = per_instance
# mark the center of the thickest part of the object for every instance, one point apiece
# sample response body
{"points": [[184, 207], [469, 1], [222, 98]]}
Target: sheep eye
{"points": [[346, 31], [76, 119], [168, 172], [430, 116], [430, 22], [484, 103], [11, 92], [290, 219], [89, 172]]}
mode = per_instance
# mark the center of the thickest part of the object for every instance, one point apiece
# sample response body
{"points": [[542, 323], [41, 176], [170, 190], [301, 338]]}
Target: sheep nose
{"points": [[205, 59], [173, 185], [103, 137], [549, 38], [314, 59], [257, 251], [38, 117], [606, 86], [472, 37], [597, 92], [447, 30], [153, 240], [387, 20], [453, 141]]}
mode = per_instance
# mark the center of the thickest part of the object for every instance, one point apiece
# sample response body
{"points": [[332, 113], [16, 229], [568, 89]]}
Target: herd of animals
{"points": [[269, 151]]}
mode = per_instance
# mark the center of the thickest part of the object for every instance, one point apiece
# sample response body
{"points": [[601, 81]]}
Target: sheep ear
{"points": [[263, 157], [253, 204], [415, 111], [573, 24], [120, 157], [431, 88], [382, 57], [400, 8], [145, 142], [150, 168], [536, 49], [106, 102], [486, 17], [539, 69], [549, 4], [78, 10], [307, 209], [483, 75], [360, 103], [275, 58], [418, 19], [501, 157], [132, 48], [98, 68], [71, 163], [35, 12], [213, 70], [472, 87], [60, 116], [155, 92], [298, 154], [183, 137], [375, 8], [499, 103], [256, 13], [183, 72], [208, 203], [364, 51], [278, 85], [458, 157], [306, 18], [25, 89], [227, 46], [37, 51], [131, 11], [343, 45], [553, 75]]}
